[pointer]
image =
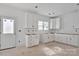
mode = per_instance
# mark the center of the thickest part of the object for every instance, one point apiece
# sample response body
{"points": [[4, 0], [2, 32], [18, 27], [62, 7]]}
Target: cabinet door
{"points": [[37, 39], [51, 37], [35, 21], [68, 40], [44, 38], [66, 37], [58, 37], [74, 40], [30, 41], [61, 38], [29, 20]]}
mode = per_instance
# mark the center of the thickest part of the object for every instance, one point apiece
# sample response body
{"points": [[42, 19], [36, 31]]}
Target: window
{"points": [[42, 25], [45, 25], [8, 26], [52, 23], [55, 23]]}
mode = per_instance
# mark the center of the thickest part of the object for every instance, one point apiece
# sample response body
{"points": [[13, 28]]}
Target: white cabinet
{"points": [[68, 39], [74, 40], [31, 20], [61, 38], [32, 40], [45, 38]]}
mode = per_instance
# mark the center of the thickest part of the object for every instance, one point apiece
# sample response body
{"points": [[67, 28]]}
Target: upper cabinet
{"points": [[31, 20]]}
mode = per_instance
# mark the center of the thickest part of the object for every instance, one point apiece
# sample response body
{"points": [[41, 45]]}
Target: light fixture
{"points": [[36, 6], [77, 4]]}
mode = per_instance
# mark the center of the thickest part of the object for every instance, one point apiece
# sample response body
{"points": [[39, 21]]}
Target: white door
{"points": [[7, 33]]}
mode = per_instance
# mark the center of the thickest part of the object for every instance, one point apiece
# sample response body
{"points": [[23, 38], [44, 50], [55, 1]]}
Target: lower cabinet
{"points": [[32, 40], [68, 39], [74, 40], [45, 38]]}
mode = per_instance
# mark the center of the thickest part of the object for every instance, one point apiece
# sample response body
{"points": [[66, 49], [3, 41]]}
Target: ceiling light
{"points": [[77, 4], [36, 6]]}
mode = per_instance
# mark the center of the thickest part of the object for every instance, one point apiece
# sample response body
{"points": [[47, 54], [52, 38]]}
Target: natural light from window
{"points": [[43, 25], [8, 26]]}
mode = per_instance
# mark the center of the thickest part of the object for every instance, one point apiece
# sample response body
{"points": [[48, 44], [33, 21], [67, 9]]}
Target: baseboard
{"points": [[7, 48]]}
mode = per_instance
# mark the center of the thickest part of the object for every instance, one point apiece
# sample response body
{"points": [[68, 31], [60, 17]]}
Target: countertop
{"points": [[69, 33]]}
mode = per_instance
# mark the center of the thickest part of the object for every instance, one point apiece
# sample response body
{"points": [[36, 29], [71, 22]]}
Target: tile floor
{"points": [[49, 49]]}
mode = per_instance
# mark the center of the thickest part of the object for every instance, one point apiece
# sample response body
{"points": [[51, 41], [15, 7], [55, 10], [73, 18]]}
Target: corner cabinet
{"points": [[67, 39], [45, 38]]}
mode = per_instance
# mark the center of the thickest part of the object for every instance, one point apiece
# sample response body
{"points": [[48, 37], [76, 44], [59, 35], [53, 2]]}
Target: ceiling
{"points": [[48, 9]]}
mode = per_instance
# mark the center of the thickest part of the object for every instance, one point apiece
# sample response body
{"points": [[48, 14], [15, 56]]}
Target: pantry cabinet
{"points": [[31, 20], [68, 39], [45, 38], [32, 40]]}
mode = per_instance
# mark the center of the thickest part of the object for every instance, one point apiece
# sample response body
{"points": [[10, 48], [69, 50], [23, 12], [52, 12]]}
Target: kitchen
{"points": [[43, 29]]}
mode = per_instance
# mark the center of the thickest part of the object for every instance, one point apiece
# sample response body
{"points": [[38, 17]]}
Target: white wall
{"points": [[68, 21], [7, 11]]}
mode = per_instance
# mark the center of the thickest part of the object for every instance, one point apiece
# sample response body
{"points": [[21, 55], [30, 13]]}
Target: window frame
{"points": [[43, 26]]}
